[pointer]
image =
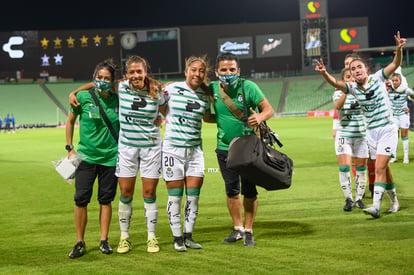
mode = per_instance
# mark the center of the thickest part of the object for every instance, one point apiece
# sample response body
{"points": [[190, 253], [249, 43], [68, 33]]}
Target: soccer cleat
{"points": [[190, 243], [179, 244], [395, 207], [406, 160], [78, 250], [348, 204], [105, 247], [372, 211], [234, 236], [248, 239], [152, 245], [392, 160], [360, 204], [124, 245]]}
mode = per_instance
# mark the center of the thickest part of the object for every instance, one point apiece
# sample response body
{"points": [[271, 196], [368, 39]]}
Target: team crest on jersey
{"points": [[138, 103], [240, 97], [169, 173], [192, 105]]}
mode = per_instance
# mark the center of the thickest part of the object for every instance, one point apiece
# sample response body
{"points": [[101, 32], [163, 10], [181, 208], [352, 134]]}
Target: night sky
{"points": [[385, 16]]}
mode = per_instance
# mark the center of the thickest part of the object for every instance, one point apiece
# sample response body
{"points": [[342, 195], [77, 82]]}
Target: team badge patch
{"points": [[240, 97], [169, 173]]}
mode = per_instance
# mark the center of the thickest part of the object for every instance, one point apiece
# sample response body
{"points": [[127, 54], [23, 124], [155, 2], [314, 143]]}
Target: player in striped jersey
{"points": [[182, 154], [139, 148], [370, 91], [399, 94], [350, 142]]}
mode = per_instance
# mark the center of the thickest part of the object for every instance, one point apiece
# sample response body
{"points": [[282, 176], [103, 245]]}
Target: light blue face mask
{"points": [[228, 79], [102, 86]]}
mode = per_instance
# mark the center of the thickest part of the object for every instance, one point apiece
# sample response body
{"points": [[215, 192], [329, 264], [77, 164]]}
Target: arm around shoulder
{"points": [[73, 101]]}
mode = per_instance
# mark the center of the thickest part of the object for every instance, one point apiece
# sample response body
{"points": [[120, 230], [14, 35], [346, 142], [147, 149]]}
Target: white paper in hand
{"points": [[67, 167]]}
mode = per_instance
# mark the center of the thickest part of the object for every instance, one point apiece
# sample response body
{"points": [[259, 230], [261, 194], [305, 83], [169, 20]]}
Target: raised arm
{"points": [[396, 62], [320, 68]]}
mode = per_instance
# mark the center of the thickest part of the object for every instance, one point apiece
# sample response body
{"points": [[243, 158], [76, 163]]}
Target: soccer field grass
{"points": [[300, 230]]}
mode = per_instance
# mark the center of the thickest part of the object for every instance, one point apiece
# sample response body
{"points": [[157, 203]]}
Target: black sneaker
{"points": [[78, 250], [190, 243], [104, 247], [360, 204], [248, 239], [234, 236], [179, 245], [348, 204]]}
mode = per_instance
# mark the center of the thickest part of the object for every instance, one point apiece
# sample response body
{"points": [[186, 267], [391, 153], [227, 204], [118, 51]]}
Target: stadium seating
{"points": [[288, 96]]}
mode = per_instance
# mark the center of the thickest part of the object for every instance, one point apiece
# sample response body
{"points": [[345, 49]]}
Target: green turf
{"points": [[301, 230]]}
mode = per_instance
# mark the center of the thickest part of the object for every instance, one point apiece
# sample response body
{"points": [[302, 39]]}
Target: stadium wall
{"points": [[42, 49]]}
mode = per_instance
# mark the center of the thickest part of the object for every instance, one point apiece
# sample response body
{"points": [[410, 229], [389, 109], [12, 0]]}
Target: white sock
{"points": [[406, 147], [379, 189], [174, 214], [345, 181], [124, 214], [361, 182], [151, 217], [392, 194], [240, 228], [190, 213]]}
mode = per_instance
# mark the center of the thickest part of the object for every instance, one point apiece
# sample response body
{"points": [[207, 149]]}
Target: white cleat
{"points": [[395, 207], [372, 211]]}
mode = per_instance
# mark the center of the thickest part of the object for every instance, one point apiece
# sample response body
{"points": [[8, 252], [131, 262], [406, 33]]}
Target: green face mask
{"points": [[102, 86], [228, 79]]}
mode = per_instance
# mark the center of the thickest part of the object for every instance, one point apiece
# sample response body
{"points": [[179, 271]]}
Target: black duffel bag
{"points": [[259, 163]]}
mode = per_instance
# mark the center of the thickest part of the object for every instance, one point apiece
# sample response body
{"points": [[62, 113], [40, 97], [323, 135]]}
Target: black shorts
{"points": [[232, 179], [85, 176]]}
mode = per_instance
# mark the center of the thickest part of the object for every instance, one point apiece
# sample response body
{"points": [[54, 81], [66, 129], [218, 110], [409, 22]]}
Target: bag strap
{"points": [[103, 115], [262, 129], [230, 104]]}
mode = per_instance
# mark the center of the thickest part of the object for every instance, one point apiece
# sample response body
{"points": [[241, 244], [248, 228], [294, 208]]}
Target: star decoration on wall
{"points": [[97, 40], [110, 40], [71, 42], [84, 41], [44, 43], [58, 59], [45, 60], [58, 43]]}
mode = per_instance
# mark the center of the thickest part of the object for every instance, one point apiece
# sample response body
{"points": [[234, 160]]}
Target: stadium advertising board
{"points": [[348, 39], [161, 47], [240, 46], [313, 9], [273, 45]]}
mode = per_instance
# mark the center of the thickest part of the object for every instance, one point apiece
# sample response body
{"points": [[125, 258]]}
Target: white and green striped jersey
{"points": [[137, 112], [351, 120], [398, 100], [185, 111], [373, 99]]}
